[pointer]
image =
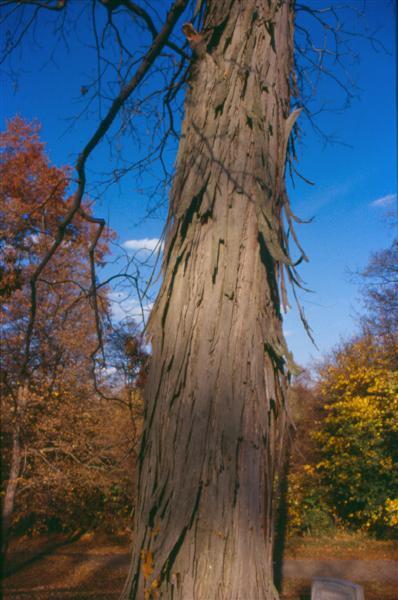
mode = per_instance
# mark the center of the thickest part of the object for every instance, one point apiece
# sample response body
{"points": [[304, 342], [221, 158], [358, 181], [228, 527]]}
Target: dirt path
{"points": [[355, 570]]}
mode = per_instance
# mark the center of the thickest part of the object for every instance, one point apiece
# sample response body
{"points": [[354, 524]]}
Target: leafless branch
{"points": [[155, 49]]}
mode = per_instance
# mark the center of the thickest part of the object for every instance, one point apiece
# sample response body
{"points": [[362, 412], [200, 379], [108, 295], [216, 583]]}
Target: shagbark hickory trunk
{"points": [[215, 414]]}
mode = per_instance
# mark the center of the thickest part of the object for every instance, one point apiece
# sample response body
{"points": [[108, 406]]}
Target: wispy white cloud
{"points": [[384, 201], [148, 244], [123, 305], [107, 371]]}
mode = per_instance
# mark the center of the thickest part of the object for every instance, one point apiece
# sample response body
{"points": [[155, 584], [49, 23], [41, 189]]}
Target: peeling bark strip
{"points": [[215, 415]]}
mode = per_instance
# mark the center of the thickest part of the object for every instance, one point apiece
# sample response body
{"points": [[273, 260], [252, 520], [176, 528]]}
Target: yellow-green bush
{"points": [[358, 438], [345, 472], [308, 509]]}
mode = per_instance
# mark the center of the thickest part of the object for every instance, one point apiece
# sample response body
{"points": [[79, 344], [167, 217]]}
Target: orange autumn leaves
{"points": [[32, 201], [72, 457]]}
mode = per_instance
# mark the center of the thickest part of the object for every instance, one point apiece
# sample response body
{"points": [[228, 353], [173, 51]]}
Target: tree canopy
{"points": [[58, 444]]}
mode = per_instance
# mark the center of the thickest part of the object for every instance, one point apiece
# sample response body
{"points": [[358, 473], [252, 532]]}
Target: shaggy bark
{"points": [[215, 414]]}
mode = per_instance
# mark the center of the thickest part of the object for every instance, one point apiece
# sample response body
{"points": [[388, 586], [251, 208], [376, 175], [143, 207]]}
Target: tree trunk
{"points": [[14, 473], [215, 414]]}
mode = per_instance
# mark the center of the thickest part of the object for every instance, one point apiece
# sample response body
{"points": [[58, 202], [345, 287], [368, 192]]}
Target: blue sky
{"points": [[355, 183], [351, 181]]}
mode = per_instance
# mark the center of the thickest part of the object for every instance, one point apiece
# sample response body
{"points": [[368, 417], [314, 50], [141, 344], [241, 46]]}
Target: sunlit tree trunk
{"points": [[16, 461], [215, 414]]}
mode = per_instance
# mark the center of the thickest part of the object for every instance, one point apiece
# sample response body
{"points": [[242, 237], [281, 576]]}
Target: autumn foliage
{"points": [[67, 453], [358, 441], [344, 475], [344, 464]]}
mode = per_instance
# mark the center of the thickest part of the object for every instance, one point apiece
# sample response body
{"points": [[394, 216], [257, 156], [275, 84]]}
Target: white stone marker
{"points": [[325, 588]]}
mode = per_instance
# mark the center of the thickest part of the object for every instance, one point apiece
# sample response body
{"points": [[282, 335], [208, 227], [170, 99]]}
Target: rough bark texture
{"points": [[215, 414]]}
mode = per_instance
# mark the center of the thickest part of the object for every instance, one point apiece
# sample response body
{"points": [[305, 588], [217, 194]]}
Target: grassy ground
{"points": [[95, 566], [301, 590], [343, 546]]}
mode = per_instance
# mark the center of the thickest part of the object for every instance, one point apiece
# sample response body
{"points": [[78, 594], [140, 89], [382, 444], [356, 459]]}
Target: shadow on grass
{"points": [[20, 559], [296, 591]]}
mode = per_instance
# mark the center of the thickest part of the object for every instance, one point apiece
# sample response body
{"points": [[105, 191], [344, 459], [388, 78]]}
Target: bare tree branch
{"points": [[155, 49]]}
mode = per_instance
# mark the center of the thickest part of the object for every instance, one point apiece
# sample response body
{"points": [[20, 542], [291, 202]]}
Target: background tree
{"points": [[358, 440], [55, 379], [127, 358], [380, 279], [308, 510]]}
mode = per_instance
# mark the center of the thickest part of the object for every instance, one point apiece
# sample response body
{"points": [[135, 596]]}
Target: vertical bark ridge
{"points": [[215, 412]]}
